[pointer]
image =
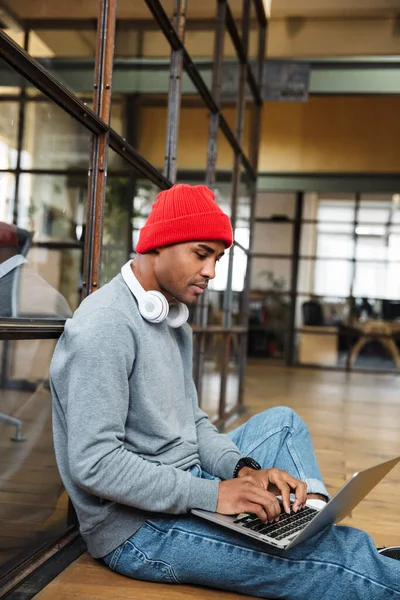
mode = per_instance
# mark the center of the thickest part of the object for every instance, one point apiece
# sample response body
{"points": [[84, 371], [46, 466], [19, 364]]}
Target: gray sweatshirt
{"points": [[126, 422]]}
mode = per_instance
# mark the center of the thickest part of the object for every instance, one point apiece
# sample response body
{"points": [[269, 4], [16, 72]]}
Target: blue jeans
{"points": [[339, 563]]}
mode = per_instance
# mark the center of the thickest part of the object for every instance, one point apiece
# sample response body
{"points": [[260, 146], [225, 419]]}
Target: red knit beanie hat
{"points": [[184, 213]]}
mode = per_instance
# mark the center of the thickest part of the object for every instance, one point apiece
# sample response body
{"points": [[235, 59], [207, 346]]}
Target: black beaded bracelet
{"points": [[247, 461]]}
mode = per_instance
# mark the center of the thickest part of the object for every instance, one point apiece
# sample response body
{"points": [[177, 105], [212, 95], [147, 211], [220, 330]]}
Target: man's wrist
{"points": [[244, 471], [246, 461]]}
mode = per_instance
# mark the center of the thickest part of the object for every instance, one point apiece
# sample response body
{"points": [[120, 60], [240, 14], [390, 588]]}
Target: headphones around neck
{"points": [[153, 306]]}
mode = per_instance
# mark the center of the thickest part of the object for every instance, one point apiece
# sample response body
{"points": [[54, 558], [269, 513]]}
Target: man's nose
{"points": [[208, 270]]}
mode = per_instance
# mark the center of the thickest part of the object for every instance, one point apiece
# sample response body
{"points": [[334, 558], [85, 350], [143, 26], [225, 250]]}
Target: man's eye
{"points": [[202, 256]]}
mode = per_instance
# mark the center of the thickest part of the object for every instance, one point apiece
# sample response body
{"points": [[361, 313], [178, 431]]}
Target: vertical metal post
{"points": [[254, 151], [98, 160], [236, 178], [132, 110], [225, 356], [353, 274], [212, 149], [174, 95], [20, 137], [289, 350], [201, 311]]}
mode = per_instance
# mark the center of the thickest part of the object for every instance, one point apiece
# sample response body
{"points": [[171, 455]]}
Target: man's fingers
{"points": [[268, 502], [285, 482], [300, 489], [285, 493]]}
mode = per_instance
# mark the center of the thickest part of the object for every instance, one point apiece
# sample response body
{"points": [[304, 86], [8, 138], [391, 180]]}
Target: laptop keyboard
{"points": [[287, 524]]}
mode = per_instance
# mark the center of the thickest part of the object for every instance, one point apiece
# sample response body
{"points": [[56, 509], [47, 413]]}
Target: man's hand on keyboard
{"points": [[245, 495], [278, 483]]}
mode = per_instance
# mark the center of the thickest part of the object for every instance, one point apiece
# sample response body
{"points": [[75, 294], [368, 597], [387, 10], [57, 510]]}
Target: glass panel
{"points": [[53, 139], [239, 269], [374, 208], [372, 245], [371, 280], [34, 505], [335, 245], [279, 206], [8, 134], [152, 132], [396, 208], [377, 280], [41, 279], [233, 373], [321, 310], [394, 244], [332, 278], [117, 232], [7, 195], [44, 253], [53, 206], [336, 209], [216, 289], [324, 278], [242, 233], [238, 280], [194, 125], [130, 42], [223, 189], [10, 81], [308, 240], [271, 274], [273, 238], [310, 206], [215, 299], [335, 227], [268, 324], [118, 121], [145, 195], [230, 78], [211, 382]]}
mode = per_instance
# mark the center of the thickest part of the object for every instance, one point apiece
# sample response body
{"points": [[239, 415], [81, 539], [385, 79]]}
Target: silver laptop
{"points": [[292, 529]]}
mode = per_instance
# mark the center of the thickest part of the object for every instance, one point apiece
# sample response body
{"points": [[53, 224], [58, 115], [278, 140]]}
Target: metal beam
{"points": [[216, 91], [121, 24], [151, 76], [174, 95], [290, 346], [99, 151], [255, 147], [329, 182], [236, 177]]}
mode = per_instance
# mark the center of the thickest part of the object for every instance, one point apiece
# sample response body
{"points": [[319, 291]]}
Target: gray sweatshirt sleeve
{"points": [[218, 454], [91, 383]]}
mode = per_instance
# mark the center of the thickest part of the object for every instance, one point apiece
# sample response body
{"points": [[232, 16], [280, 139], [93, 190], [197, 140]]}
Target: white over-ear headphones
{"points": [[153, 306]]}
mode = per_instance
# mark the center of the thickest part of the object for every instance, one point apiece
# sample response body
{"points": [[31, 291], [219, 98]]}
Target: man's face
{"points": [[184, 270]]}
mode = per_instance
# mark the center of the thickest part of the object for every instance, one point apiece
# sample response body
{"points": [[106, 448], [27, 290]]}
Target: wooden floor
{"points": [[354, 422]]}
